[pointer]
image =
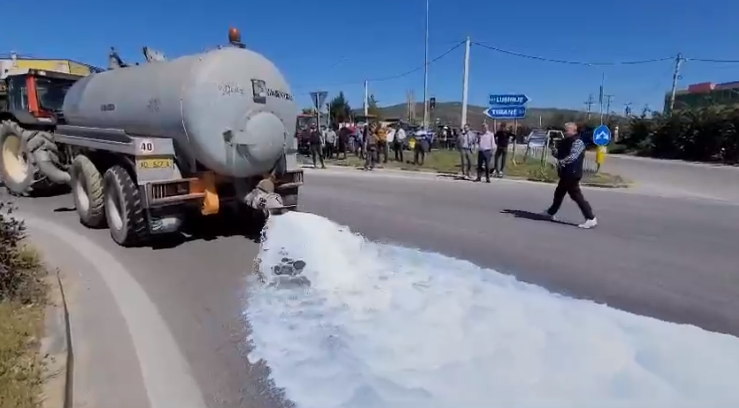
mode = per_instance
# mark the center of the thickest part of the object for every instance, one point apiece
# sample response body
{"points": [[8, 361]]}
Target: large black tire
{"points": [[123, 208], [87, 190], [17, 173]]}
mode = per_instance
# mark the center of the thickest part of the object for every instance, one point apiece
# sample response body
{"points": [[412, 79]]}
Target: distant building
{"points": [[705, 94], [11, 65]]}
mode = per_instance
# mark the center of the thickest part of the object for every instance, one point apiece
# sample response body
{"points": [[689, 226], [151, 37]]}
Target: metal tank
{"points": [[230, 109]]}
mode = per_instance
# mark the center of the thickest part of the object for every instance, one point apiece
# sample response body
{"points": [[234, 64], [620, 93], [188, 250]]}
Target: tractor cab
{"points": [[34, 97]]}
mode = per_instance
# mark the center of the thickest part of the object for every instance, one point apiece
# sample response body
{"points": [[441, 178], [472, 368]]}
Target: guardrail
{"points": [[543, 153]]}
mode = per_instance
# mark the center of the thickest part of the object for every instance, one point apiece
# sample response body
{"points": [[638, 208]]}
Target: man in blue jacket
{"points": [[570, 156]]}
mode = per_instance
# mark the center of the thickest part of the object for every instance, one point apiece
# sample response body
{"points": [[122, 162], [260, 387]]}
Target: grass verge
{"points": [[448, 162], [22, 300]]}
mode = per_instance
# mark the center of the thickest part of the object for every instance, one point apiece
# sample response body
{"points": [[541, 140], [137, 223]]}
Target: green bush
{"points": [[545, 174], [707, 135], [20, 266], [618, 148]]}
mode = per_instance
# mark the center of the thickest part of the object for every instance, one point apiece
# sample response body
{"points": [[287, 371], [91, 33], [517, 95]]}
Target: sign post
{"points": [[601, 138], [318, 98], [507, 106]]}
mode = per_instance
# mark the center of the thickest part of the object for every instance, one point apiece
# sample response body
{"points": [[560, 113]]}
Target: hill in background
{"points": [[450, 113]]}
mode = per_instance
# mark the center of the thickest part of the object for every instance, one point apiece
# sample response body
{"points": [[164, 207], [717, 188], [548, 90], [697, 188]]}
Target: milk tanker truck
{"points": [[144, 146]]}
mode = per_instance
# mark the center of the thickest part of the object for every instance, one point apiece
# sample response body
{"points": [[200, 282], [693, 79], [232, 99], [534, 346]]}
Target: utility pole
{"points": [[609, 99], [366, 99], [589, 104], [600, 95], [426, 72], [627, 109], [465, 81], [675, 76]]}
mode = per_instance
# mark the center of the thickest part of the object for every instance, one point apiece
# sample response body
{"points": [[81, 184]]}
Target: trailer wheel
{"points": [[16, 171], [123, 208], [87, 190]]}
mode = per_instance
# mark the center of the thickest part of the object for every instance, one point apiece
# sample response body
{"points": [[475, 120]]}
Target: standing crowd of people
{"points": [[370, 142], [484, 147]]}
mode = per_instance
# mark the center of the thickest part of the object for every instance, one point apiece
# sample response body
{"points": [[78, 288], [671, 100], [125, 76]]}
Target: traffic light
{"points": [[432, 103]]}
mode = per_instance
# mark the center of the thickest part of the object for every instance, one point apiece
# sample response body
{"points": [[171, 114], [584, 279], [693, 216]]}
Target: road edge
{"points": [[56, 347], [627, 184]]}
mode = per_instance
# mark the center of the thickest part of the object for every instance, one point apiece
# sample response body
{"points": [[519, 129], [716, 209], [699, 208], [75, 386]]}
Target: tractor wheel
{"points": [[123, 208], [16, 171], [87, 190]]}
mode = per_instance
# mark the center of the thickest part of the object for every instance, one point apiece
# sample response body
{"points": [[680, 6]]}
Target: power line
{"points": [[716, 61], [568, 62], [389, 78]]}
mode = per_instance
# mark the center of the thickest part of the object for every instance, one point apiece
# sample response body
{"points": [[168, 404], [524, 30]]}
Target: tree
{"points": [[339, 109], [309, 111], [372, 107]]}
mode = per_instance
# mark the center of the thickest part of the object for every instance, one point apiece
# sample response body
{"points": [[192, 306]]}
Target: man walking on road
{"points": [[502, 138], [316, 141], [485, 153], [467, 143], [570, 156]]}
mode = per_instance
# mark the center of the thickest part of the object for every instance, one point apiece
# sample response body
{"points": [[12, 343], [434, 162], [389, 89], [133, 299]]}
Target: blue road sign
{"points": [[512, 112], [508, 100], [602, 135]]}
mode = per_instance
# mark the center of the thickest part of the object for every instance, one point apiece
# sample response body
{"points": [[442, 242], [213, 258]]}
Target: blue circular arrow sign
{"points": [[602, 135]]}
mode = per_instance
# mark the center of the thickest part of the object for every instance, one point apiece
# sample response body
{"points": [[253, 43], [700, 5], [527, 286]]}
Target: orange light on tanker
{"points": [[234, 35]]}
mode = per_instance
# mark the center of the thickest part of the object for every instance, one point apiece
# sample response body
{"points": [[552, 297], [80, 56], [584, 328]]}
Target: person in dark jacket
{"points": [[502, 137], [570, 154], [316, 148], [371, 143]]}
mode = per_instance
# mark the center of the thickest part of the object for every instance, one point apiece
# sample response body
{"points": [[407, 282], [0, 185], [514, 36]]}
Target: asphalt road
{"points": [[677, 178], [178, 309]]}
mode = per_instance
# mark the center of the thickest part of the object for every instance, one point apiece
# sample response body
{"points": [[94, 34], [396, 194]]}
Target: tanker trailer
{"points": [[142, 145]]}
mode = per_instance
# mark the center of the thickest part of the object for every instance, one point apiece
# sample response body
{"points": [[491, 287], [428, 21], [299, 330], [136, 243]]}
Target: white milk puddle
{"points": [[391, 327]]}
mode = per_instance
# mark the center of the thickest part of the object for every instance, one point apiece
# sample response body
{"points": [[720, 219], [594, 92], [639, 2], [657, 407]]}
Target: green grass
{"points": [[21, 328], [448, 162]]}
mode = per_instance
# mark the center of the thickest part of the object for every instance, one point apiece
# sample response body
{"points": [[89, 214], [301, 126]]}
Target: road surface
{"points": [[178, 310], [677, 178]]}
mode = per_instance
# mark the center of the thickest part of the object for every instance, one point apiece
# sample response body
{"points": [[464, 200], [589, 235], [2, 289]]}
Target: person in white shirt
{"points": [[486, 146], [398, 141], [330, 143]]}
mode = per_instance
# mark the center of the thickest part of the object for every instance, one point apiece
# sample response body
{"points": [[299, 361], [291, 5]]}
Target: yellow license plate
{"points": [[156, 163]]}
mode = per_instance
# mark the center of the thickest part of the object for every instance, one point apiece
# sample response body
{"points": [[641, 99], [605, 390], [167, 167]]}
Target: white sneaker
{"points": [[589, 224]]}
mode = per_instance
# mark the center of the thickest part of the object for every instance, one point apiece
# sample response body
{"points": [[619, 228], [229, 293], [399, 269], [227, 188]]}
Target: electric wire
{"points": [[401, 75], [569, 62]]}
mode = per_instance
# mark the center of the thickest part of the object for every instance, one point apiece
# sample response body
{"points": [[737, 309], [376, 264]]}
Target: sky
{"points": [[335, 45]]}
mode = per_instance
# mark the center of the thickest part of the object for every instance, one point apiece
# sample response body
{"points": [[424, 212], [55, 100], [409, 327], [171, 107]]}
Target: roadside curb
{"points": [[437, 174], [56, 347]]}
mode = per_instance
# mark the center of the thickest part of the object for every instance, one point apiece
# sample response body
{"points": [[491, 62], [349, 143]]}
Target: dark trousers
{"points": [[329, 150], [419, 154], [370, 158], [382, 150], [570, 186], [501, 154], [483, 163], [398, 149], [315, 150]]}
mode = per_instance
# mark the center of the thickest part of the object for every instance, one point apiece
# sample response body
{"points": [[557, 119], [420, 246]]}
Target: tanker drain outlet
{"points": [[264, 198]]}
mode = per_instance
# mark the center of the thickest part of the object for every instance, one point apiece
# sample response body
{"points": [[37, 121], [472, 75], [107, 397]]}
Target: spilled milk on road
{"points": [[370, 325]]}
